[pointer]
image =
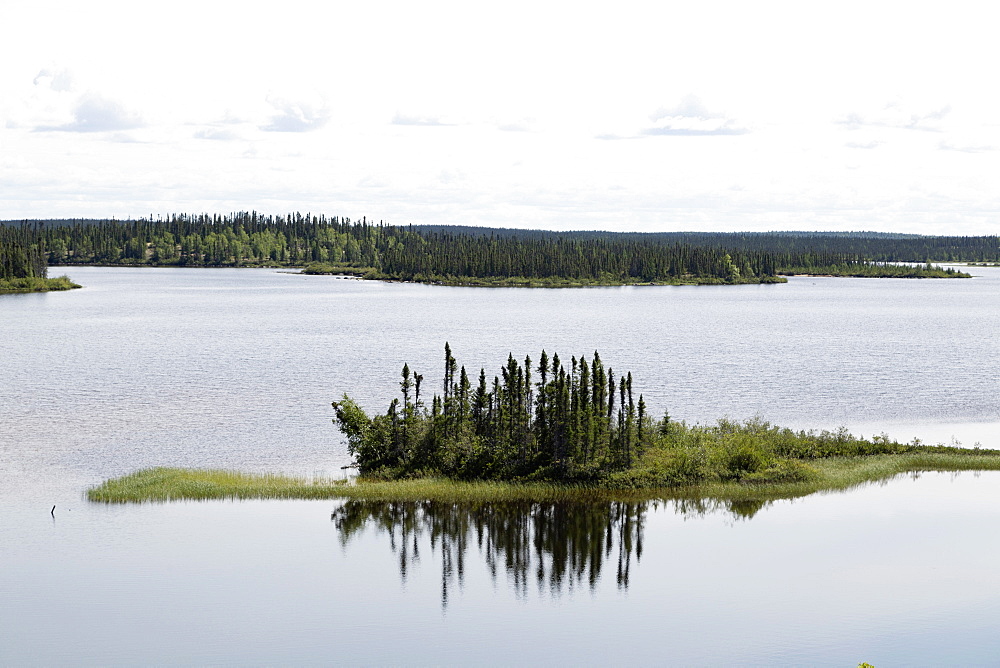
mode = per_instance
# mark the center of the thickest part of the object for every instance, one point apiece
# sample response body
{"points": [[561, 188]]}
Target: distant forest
{"points": [[872, 246], [467, 255]]}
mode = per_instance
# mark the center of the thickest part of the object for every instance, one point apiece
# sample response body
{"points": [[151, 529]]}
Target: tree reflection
{"points": [[558, 546]]}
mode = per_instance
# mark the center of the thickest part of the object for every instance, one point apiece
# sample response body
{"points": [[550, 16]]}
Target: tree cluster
{"points": [[240, 239], [575, 422]]}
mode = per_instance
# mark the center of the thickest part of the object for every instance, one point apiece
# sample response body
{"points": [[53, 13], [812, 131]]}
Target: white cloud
{"points": [[696, 128], [95, 113], [896, 115], [864, 144], [689, 107], [297, 116], [416, 119], [691, 118], [520, 125], [218, 134], [59, 80], [965, 147]]}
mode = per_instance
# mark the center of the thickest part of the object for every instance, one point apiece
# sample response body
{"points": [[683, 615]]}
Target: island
{"points": [[23, 266], [560, 430]]}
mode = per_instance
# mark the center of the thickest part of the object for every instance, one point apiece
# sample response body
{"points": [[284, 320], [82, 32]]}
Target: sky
{"points": [[632, 116]]}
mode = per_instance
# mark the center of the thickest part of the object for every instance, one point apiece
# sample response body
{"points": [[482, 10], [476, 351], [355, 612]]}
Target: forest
{"points": [[459, 256], [573, 422], [873, 246]]}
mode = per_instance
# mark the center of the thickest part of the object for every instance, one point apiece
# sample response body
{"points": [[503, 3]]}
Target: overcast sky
{"points": [[635, 116]]}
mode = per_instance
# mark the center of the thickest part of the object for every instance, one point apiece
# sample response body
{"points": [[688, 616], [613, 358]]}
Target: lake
{"points": [[237, 368]]}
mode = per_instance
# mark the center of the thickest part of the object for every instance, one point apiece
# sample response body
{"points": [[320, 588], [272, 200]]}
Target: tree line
{"points": [[383, 251], [332, 244], [871, 246]]}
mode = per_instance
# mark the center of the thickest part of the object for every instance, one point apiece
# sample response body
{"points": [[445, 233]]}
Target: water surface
{"points": [[236, 368]]}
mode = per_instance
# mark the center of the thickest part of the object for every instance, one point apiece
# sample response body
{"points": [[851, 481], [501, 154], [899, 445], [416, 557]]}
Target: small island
{"points": [[23, 266], [578, 432], [543, 281], [36, 284]]}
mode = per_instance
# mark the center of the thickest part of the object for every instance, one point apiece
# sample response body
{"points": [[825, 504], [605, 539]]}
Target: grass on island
{"points": [[34, 284], [829, 474], [170, 484]]}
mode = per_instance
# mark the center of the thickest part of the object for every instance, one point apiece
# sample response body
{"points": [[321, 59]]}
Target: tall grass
{"points": [[169, 484], [828, 474]]}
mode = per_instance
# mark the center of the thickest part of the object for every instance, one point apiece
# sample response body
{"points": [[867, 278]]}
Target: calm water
{"points": [[236, 368]]}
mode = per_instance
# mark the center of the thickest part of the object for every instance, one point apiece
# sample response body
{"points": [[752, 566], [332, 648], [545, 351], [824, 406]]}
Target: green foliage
{"points": [[23, 266], [21, 254], [577, 422], [35, 284], [752, 453]]}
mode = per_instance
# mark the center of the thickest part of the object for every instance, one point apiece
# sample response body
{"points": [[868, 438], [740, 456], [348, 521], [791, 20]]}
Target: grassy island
{"points": [[578, 433], [36, 284], [162, 484], [23, 266]]}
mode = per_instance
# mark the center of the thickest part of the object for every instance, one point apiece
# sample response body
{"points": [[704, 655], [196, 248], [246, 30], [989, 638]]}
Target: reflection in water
{"points": [[558, 545]]}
